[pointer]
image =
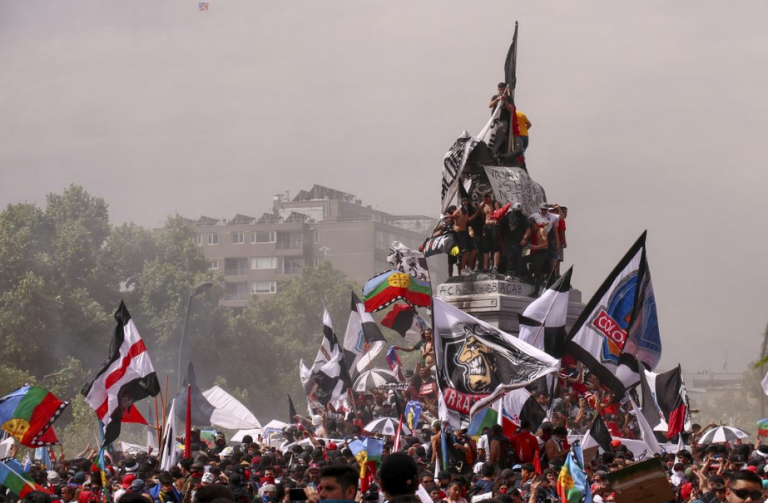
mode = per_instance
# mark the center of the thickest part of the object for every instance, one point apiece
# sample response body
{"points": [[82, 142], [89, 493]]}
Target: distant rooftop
{"points": [[333, 206]]}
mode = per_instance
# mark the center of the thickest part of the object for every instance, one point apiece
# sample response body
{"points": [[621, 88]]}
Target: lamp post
{"points": [[202, 287]]}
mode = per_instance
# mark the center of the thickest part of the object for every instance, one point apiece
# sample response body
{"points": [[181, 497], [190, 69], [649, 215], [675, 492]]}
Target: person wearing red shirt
{"points": [[524, 443]]}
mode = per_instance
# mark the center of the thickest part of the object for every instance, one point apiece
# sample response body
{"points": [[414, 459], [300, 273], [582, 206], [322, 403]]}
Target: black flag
{"points": [[600, 434], [510, 65], [202, 410], [291, 410]]}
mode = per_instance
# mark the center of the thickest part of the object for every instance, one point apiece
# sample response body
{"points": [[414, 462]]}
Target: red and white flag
{"points": [[125, 378]]}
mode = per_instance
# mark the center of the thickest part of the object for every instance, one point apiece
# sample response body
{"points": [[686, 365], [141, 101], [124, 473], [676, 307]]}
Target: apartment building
{"points": [[317, 225]]}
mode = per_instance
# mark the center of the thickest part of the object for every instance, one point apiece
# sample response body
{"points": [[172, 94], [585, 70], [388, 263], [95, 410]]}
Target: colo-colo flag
{"points": [[618, 324], [328, 378], [363, 339], [125, 378], [477, 363]]}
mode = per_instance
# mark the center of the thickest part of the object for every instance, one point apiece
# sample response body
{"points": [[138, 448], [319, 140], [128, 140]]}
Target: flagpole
{"points": [[157, 424], [188, 426], [546, 315]]}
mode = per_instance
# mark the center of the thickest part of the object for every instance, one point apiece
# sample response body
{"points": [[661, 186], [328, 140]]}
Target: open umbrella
{"points": [[722, 434], [385, 426], [374, 378]]}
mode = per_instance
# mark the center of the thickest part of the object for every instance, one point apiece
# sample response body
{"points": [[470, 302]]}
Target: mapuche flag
{"points": [[13, 477], [28, 414], [126, 377]]}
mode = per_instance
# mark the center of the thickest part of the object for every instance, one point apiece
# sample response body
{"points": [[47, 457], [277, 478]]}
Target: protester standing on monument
{"points": [[491, 249], [461, 219]]}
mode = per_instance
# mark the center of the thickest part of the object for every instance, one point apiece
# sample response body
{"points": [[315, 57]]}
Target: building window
{"points": [[316, 263], [292, 265], [288, 240], [317, 236], [236, 266], [264, 263], [199, 240], [236, 291], [238, 238], [213, 238], [214, 264], [263, 237], [258, 287]]}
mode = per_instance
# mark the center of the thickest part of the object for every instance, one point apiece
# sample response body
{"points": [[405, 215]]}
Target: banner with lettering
{"points": [[514, 185]]}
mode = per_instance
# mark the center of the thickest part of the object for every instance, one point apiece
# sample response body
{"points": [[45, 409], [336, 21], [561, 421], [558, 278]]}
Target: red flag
{"points": [[188, 428], [537, 462], [132, 415]]}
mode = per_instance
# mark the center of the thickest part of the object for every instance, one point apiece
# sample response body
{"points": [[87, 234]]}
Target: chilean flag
{"points": [[125, 378]]}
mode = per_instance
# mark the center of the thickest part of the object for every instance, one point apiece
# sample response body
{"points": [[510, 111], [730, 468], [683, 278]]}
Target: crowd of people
{"points": [[314, 462], [524, 247]]}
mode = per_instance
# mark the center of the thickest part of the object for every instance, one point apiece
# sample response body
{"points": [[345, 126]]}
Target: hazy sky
{"points": [[646, 115]]}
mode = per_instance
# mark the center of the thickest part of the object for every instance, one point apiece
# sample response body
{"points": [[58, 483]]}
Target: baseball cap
{"points": [[207, 478], [128, 480]]}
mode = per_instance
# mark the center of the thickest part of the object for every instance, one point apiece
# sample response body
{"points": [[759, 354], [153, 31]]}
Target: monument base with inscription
{"points": [[497, 300]]}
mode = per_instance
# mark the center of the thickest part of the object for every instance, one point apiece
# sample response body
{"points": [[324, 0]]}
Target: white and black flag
{"points": [[168, 451], [443, 243], [453, 166], [328, 379], [363, 339], [125, 378], [411, 262], [542, 324], [477, 363]]}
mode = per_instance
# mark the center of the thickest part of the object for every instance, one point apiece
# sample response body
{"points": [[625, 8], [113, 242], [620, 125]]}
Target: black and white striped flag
{"points": [[328, 379], [542, 324]]}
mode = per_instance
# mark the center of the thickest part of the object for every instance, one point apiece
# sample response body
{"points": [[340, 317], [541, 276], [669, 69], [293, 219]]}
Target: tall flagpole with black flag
{"points": [[510, 78]]}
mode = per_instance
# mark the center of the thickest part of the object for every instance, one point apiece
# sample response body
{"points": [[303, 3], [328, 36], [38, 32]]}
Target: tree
{"points": [[274, 333]]}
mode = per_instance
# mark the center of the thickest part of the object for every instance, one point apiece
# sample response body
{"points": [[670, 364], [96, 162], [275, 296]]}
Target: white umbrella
{"points": [[385, 426], [238, 437], [722, 434], [371, 379]]}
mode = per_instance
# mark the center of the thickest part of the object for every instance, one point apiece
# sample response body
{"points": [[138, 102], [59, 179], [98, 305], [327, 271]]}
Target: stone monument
{"points": [[496, 299]]}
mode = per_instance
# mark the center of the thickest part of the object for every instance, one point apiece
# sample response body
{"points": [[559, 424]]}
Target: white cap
{"points": [[207, 478], [517, 206], [227, 452]]}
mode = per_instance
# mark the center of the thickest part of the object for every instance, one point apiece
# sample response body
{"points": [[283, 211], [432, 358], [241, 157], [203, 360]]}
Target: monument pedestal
{"points": [[496, 300]]}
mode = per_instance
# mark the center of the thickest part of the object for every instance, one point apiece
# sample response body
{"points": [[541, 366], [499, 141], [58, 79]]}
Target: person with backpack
{"points": [[502, 455]]}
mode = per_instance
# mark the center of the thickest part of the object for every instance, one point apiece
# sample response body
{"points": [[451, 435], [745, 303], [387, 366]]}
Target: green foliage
{"points": [[274, 333], [64, 269]]}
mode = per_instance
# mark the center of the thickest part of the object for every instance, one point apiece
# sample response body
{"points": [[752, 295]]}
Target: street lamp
{"points": [[202, 287]]}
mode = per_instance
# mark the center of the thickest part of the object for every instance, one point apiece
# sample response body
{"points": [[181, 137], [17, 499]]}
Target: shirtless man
{"points": [[461, 219], [436, 442], [490, 233], [539, 253]]}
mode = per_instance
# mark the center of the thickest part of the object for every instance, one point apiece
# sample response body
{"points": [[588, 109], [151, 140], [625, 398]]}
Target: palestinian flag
{"points": [[388, 287], [126, 377], [669, 396], [28, 413], [12, 476]]}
